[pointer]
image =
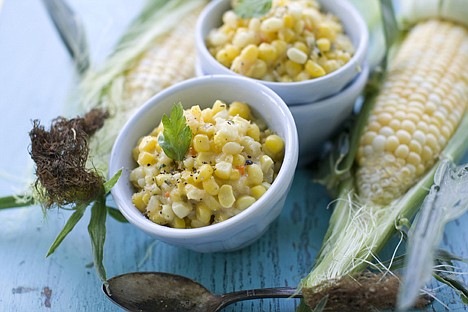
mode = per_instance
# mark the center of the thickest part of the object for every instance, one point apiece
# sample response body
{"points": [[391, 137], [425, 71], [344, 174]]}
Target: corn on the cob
{"points": [[160, 55], [170, 61], [417, 111], [422, 108]]}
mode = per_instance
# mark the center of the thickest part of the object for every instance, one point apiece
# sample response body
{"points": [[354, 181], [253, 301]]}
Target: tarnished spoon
{"points": [[164, 292]]}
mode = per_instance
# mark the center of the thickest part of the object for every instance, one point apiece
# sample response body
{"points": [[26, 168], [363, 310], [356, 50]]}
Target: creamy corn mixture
{"points": [[294, 41], [232, 160]]}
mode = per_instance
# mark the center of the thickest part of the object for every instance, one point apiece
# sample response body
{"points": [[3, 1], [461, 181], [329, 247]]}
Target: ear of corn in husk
{"points": [[418, 118], [156, 52]]}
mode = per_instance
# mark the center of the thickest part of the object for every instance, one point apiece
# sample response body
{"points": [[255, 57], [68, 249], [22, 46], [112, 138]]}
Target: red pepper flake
{"points": [[167, 194], [241, 169]]}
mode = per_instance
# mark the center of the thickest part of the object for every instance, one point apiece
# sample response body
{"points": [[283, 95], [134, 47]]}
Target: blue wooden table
{"points": [[36, 77]]}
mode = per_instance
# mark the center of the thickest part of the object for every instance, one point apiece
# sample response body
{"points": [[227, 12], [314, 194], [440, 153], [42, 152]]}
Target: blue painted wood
{"points": [[36, 77]]}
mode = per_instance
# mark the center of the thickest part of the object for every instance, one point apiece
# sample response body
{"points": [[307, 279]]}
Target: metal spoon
{"points": [[164, 292]]}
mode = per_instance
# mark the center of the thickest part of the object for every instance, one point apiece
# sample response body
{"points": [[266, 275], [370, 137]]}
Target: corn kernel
{"points": [[238, 160], [274, 143], [178, 223], [244, 202], [203, 213], [267, 52], [271, 24], [201, 143], [296, 55], [137, 200], [323, 44], [254, 174], [257, 191], [226, 196], [181, 209], [223, 170], [146, 159], [292, 68], [148, 144], [280, 46], [254, 132], [239, 108], [204, 172], [210, 186]]}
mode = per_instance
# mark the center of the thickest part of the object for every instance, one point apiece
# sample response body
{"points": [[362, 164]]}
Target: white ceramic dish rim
{"points": [[273, 194], [343, 5]]}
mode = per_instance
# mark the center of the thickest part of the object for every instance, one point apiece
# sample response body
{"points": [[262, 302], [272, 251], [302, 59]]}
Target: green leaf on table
{"points": [[97, 233], [252, 8], [72, 221], [177, 135], [14, 202], [116, 214], [108, 185]]}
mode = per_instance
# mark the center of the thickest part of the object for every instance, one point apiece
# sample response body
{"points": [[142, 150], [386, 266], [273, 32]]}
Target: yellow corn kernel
{"points": [[404, 137], [254, 174], [302, 47], [146, 159], [257, 191], [205, 158], [266, 163], [323, 44], [181, 209], [288, 21], [178, 223], [235, 175], [280, 46], [244, 202], [239, 108], [137, 200], [274, 143], [223, 170], [218, 106], [297, 56], [293, 68], [203, 173], [254, 132], [148, 144], [267, 52], [201, 143], [135, 153], [232, 148], [203, 213], [249, 53], [271, 24], [258, 70], [226, 196], [210, 186], [325, 31], [238, 160], [287, 35], [223, 58], [157, 217], [303, 75]]}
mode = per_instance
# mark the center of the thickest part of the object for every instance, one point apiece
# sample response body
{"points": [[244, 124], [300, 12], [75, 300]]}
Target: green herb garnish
{"points": [[177, 135], [252, 8]]}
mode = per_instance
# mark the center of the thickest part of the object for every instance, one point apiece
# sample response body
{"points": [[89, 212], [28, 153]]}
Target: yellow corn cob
{"points": [[421, 104], [170, 61], [167, 59]]}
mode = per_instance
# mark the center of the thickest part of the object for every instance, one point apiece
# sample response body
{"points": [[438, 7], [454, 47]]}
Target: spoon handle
{"points": [[278, 292]]}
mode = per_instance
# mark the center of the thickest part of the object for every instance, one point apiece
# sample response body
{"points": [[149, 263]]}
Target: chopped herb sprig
{"points": [[252, 8], [177, 135]]}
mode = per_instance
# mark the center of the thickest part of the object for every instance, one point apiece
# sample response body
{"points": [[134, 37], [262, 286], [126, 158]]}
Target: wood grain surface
{"points": [[36, 77]]}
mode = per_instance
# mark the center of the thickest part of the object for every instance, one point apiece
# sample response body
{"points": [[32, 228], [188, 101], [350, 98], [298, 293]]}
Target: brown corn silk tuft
{"points": [[60, 155], [365, 291]]}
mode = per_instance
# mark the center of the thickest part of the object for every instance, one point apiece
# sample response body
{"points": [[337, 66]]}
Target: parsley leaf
{"points": [[177, 135], [252, 8]]}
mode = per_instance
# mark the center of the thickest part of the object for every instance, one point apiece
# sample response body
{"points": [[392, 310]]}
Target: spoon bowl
{"points": [[165, 292]]}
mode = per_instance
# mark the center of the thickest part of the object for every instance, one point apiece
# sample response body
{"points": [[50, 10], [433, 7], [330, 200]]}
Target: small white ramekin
{"points": [[242, 229]]}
